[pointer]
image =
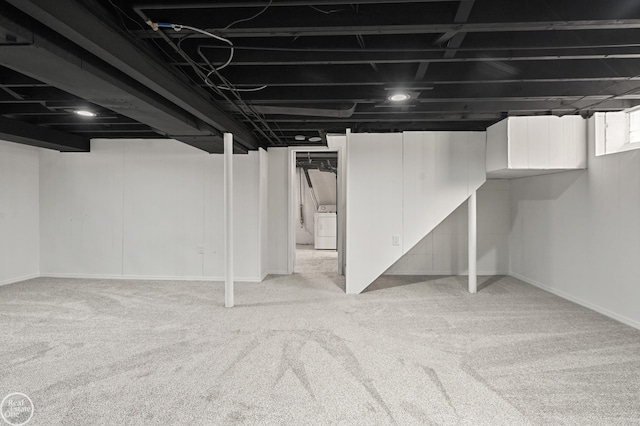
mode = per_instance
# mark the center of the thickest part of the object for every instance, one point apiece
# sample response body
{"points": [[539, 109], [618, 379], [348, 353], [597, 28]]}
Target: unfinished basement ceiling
{"points": [[308, 68]]}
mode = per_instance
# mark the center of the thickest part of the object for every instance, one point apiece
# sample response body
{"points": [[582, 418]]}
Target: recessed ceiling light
{"points": [[315, 139], [300, 137], [399, 97], [85, 113]]}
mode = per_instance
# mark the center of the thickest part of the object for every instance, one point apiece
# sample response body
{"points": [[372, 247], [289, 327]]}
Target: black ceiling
{"points": [[305, 68]]}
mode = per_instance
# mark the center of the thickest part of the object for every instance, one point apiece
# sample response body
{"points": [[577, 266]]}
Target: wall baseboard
{"points": [[445, 273], [18, 279], [621, 318], [148, 277], [278, 272]]}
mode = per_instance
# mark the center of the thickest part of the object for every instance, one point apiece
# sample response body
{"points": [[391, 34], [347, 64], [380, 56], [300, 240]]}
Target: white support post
{"points": [[473, 273], [228, 220]]}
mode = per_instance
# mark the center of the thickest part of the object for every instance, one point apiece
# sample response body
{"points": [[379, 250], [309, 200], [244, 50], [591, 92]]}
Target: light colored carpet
{"points": [[309, 260], [296, 350]]}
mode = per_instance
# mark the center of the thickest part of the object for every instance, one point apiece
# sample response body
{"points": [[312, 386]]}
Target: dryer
{"points": [[326, 231]]}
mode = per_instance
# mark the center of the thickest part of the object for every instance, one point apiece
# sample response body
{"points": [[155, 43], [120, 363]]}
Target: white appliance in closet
{"points": [[326, 228]]}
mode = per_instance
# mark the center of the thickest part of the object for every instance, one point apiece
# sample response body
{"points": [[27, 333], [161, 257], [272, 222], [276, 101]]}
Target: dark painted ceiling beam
{"points": [[462, 16], [97, 86], [440, 74], [483, 91], [406, 117], [207, 4], [427, 125], [577, 25], [56, 62], [410, 84], [363, 57], [28, 134], [95, 34], [363, 100]]}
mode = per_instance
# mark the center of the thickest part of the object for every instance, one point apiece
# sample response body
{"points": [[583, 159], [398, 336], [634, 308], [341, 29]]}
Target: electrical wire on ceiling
{"points": [[205, 73], [327, 12], [264, 9]]}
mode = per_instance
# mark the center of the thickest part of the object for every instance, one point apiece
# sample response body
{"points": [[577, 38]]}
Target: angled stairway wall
{"points": [[399, 188]]}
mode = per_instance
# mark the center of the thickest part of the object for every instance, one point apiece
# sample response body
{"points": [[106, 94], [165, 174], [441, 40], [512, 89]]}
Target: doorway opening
{"points": [[314, 214]]}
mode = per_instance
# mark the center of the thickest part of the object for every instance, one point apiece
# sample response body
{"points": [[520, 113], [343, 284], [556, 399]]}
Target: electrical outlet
{"points": [[201, 249], [396, 240]]}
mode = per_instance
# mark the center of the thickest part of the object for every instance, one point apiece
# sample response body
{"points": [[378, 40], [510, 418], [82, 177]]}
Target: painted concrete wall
{"points": [[444, 250], [19, 212], [577, 234], [145, 208], [399, 188]]}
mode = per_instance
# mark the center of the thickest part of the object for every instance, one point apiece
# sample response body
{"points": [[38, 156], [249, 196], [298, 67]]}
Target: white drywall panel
{"points": [[374, 205], [339, 142], [145, 209], [476, 160], [19, 212], [518, 142], [246, 221], [81, 204], [213, 228], [558, 149], [537, 143], [163, 209], [497, 143], [278, 203], [577, 234], [420, 208], [412, 194], [538, 140], [444, 250], [440, 170], [264, 213]]}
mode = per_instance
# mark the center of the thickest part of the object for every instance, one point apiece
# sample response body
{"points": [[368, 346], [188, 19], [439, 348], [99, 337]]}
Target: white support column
{"points": [[228, 220], [473, 274]]}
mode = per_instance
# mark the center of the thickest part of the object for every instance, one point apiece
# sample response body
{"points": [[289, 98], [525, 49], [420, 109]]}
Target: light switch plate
{"points": [[396, 240]]}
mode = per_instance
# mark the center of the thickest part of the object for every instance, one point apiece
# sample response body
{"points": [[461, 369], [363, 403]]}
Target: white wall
{"points": [[444, 250], [400, 187], [577, 234], [374, 206], [264, 213], [146, 208], [339, 143], [440, 171], [19, 212], [278, 204]]}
